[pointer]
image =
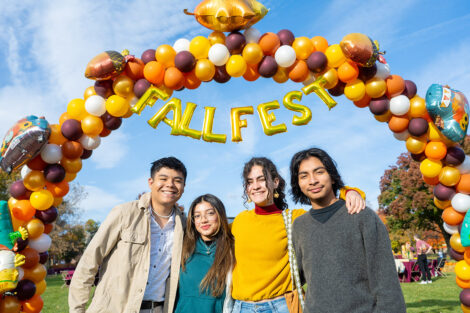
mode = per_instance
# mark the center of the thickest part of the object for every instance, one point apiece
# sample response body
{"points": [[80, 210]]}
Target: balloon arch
{"points": [[52, 154]]}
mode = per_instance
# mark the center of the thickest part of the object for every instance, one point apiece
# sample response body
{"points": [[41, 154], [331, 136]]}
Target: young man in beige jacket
{"points": [[137, 250]]}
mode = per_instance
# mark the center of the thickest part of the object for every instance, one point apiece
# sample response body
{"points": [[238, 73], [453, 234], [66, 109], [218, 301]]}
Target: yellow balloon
{"points": [[462, 270], [376, 87], [40, 287], [318, 87], [442, 204], [90, 91], [417, 107], [123, 86], [35, 228], [449, 176], [76, 109], [303, 47], [199, 47], [384, 118], [216, 37], [281, 75], [56, 136], [355, 90], [236, 66], [430, 168], [335, 55], [237, 122], [34, 181], [165, 54], [41, 200], [117, 106], [204, 70], [92, 125], [71, 166], [331, 78], [268, 118], [58, 201], [456, 243], [416, 145], [207, 134], [252, 53]]}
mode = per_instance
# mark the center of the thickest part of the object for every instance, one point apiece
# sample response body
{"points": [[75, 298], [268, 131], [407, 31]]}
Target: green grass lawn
{"points": [[440, 296]]}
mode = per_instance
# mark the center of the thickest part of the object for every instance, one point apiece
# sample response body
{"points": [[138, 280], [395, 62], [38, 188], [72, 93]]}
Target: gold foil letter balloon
{"points": [[228, 15], [360, 49], [107, 65]]}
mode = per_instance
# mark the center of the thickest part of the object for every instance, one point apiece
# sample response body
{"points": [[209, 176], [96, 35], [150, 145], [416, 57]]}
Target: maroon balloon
{"points": [[141, 86], [54, 173], [418, 126], [72, 129], [86, 154], [267, 67], [379, 106], [418, 157], [148, 55], [111, 122], [410, 89], [47, 216], [18, 190], [235, 42], [337, 90], [455, 255], [366, 73], [442, 192], [43, 257], [185, 61], [286, 37], [103, 87], [221, 76], [20, 244], [25, 289], [454, 156], [317, 62]]}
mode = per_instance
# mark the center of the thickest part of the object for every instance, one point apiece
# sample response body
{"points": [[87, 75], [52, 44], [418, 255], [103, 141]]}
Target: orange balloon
{"points": [[398, 124], [92, 125], [165, 54], [191, 81], [71, 165], [40, 288], [48, 228], [174, 79], [251, 73], [303, 47], [72, 149], [464, 284], [65, 116], [431, 180], [31, 257], [384, 118], [135, 69], [364, 102], [417, 107], [348, 71], [299, 71], [281, 75], [33, 305], [36, 273], [435, 150], [10, 304], [35, 228], [465, 309], [466, 254], [395, 85], [23, 210], [464, 184], [269, 43], [452, 217], [70, 176], [154, 72], [58, 190], [90, 91], [320, 43], [12, 202], [56, 136], [58, 201]]}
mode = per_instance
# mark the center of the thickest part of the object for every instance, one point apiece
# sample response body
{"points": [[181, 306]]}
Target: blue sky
{"points": [[47, 45]]}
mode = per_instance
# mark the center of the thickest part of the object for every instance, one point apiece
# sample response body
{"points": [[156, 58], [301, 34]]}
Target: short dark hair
{"points": [[328, 162], [169, 162]]}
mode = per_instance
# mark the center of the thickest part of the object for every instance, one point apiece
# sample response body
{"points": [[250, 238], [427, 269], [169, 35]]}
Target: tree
{"points": [[407, 202], [5, 181]]}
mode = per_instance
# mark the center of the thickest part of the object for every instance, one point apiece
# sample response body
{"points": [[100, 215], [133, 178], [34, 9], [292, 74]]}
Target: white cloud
{"points": [[98, 202], [112, 150]]}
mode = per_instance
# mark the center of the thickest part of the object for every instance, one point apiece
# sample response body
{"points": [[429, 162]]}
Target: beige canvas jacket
{"points": [[122, 248]]}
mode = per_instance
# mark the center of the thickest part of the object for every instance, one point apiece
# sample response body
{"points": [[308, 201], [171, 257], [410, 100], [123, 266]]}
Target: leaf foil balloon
{"points": [[23, 142], [448, 109], [107, 65], [360, 49], [228, 15]]}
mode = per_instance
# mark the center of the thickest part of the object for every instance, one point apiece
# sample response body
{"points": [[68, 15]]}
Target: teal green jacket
{"points": [[190, 299]]}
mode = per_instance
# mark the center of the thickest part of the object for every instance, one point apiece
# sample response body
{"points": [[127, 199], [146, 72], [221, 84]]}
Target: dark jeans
{"points": [[423, 267]]}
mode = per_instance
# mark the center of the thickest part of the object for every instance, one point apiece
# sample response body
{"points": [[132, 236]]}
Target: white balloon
{"points": [[402, 136], [399, 105], [51, 153], [464, 168], [95, 105], [20, 273], [460, 202], [25, 171], [285, 56], [181, 44], [90, 143], [40, 244], [252, 35], [451, 229], [383, 70], [219, 54]]}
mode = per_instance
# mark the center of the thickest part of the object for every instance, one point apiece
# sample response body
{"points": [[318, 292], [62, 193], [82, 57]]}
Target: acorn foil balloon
{"points": [[228, 15], [448, 109], [360, 49], [107, 65], [9, 261], [23, 142]]}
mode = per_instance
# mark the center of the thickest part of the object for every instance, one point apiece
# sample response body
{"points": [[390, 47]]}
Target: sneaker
{"points": [[423, 282], [429, 282]]}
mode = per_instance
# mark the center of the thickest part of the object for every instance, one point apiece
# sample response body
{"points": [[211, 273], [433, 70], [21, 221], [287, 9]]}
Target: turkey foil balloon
{"points": [[107, 65], [23, 142], [228, 15], [9, 261], [360, 49], [448, 109]]}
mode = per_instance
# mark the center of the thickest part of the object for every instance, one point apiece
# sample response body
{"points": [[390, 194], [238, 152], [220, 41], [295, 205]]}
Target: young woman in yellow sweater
{"points": [[261, 275]]}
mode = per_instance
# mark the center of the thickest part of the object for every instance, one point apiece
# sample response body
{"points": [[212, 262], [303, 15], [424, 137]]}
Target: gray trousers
{"points": [[158, 309]]}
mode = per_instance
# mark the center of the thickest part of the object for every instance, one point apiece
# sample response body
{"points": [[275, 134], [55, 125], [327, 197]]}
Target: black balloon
{"points": [[86, 154], [443, 192], [141, 86], [111, 122], [455, 255], [185, 61], [72, 129], [418, 157], [418, 126], [104, 88], [47, 216], [379, 106], [410, 89], [235, 42], [267, 67], [366, 73], [454, 156], [21, 244], [317, 62], [18, 190], [337, 90], [221, 76], [25, 290], [148, 55], [43, 257], [286, 37], [54, 173]]}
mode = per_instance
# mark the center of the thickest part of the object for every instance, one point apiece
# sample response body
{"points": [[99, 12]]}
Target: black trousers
{"points": [[423, 267]]}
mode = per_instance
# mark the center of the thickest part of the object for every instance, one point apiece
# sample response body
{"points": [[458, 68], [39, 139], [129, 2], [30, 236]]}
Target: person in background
{"points": [[422, 249]]}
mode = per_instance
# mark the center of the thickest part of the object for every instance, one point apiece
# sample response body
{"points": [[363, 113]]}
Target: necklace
{"points": [[155, 214], [209, 247]]}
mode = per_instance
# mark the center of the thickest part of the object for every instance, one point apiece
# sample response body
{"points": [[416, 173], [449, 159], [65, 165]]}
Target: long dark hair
{"points": [[328, 163], [270, 174], [224, 258]]}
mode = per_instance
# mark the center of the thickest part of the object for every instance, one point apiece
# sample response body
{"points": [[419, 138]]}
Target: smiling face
{"points": [[206, 220], [258, 188], [316, 183], [166, 186]]}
